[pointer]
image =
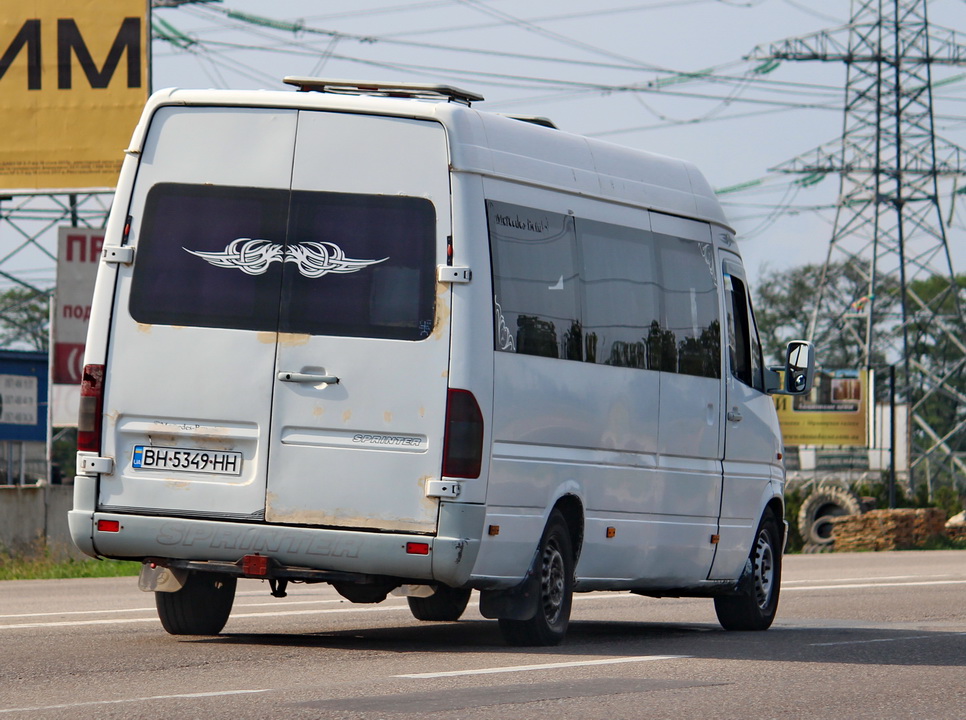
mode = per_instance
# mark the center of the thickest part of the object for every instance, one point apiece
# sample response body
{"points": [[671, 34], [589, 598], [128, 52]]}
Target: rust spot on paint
{"points": [[387, 416], [144, 328], [442, 311], [267, 338], [346, 416], [292, 339], [318, 411]]}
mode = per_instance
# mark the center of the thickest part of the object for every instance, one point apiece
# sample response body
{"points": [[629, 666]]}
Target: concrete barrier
{"points": [[33, 521]]}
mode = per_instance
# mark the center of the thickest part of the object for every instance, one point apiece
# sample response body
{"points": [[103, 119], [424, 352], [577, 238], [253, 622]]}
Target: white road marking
{"points": [[67, 706], [277, 612], [884, 640], [151, 609], [786, 581], [855, 586], [543, 666], [283, 613]]}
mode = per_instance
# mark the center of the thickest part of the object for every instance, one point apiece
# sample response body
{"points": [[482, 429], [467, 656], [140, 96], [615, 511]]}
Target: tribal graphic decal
{"points": [[314, 259]]}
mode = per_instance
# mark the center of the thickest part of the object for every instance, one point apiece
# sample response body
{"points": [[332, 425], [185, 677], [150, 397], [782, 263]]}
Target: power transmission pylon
{"points": [[889, 227]]}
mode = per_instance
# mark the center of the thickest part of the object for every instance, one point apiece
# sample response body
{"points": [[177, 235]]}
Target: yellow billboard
{"points": [[73, 81], [834, 414]]}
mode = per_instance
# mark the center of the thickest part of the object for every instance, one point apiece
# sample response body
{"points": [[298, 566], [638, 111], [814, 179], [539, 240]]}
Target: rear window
{"points": [[315, 263]]}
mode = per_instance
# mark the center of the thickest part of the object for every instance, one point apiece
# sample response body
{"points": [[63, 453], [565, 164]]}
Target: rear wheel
{"points": [[555, 566], [755, 607], [200, 607], [445, 605]]}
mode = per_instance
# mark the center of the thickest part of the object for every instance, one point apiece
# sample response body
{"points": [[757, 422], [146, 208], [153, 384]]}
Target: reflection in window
{"points": [[621, 293], [744, 347], [646, 300], [534, 276], [690, 290]]}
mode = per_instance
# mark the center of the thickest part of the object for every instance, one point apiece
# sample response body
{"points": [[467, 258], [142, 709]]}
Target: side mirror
{"points": [[799, 367], [799, 370]]}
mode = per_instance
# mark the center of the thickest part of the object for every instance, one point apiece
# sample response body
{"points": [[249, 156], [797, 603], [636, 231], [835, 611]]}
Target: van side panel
{"points": [[578, 386]]}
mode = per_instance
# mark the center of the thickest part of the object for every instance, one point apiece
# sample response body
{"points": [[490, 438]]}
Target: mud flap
{"points": [[517, 603], [161, 579]]}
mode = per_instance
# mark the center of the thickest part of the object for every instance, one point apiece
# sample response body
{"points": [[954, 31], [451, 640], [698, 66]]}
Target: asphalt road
{"points": [[873, 635]]}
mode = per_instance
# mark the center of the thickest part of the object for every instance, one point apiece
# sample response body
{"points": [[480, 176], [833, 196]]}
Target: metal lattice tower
{"points": [[889, 229], [28, 253]]}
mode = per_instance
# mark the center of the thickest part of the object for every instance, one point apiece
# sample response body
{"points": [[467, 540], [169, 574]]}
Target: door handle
{"points": [[308, 378], [734, 415]]}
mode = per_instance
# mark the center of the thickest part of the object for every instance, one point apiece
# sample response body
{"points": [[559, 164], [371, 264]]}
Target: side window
{"points": [[690, 334], [621, 294], [744, 347], [534, 281]]}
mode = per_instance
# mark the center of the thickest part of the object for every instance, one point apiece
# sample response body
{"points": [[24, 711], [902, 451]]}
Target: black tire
{"points": [[201, 607], [554, 565], [814, 517], [445, 605], [755, 607]]}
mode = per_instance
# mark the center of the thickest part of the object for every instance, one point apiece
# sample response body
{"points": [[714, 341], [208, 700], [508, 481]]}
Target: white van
{"points": [[366, 334]]}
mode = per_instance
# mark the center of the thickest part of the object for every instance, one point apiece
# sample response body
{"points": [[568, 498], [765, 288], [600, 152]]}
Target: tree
{"points": [[787, 303], [24, 319]]}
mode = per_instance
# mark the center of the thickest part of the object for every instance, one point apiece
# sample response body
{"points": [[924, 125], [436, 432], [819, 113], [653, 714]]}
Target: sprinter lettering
{"points": [[387, 440]]}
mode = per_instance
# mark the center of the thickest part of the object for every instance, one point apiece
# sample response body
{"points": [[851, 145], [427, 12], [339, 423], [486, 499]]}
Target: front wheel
{"points": [[200, 607], [555, 566], [755, 606]]}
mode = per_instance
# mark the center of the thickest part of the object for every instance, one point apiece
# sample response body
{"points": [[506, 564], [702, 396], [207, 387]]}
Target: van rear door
{"points": [[363, 352], [274, 253], [191, 359]]}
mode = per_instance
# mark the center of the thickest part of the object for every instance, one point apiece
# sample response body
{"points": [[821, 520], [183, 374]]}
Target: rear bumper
{"points": [[450, 559]]}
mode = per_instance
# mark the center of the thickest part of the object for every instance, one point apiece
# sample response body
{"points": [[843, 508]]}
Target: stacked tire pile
{"points": [[819, 510], [887, 529]]}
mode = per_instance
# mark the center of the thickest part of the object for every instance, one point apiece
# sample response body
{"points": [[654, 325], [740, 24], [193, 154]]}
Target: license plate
{"points": [[219, 462]]}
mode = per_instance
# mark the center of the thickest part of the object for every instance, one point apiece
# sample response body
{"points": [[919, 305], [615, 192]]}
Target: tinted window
{"points": [[173, 285], [377, 254], [744, 348], [621, 293], [258, 259], [647, 300], [691, 330], [535, 281]]}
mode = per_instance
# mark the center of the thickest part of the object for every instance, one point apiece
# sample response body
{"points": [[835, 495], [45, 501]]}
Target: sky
{"points": [[576, 63], [682, 78]]}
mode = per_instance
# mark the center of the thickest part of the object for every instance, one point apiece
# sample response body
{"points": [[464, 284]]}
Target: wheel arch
{"points": [[572, 509], [777, 506]]}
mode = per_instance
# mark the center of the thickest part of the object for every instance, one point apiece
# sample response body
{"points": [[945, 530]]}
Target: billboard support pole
{"points": [[892, 437]]}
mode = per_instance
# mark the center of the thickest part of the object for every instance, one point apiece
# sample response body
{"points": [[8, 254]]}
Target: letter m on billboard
{"points": [[73, 80]]}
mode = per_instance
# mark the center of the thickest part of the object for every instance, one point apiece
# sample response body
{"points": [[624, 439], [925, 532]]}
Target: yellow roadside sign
{"points": [[834, 414], [73, 81]]}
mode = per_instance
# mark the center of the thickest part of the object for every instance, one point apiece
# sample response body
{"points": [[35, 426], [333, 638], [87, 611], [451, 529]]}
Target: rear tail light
{"points": [[417, 548], [463, 443], [91, 409]]}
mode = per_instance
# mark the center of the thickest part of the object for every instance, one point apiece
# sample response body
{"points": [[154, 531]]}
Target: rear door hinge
{"points": [[443, 489], [453, 274], [91, 465], [118, 254]]}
